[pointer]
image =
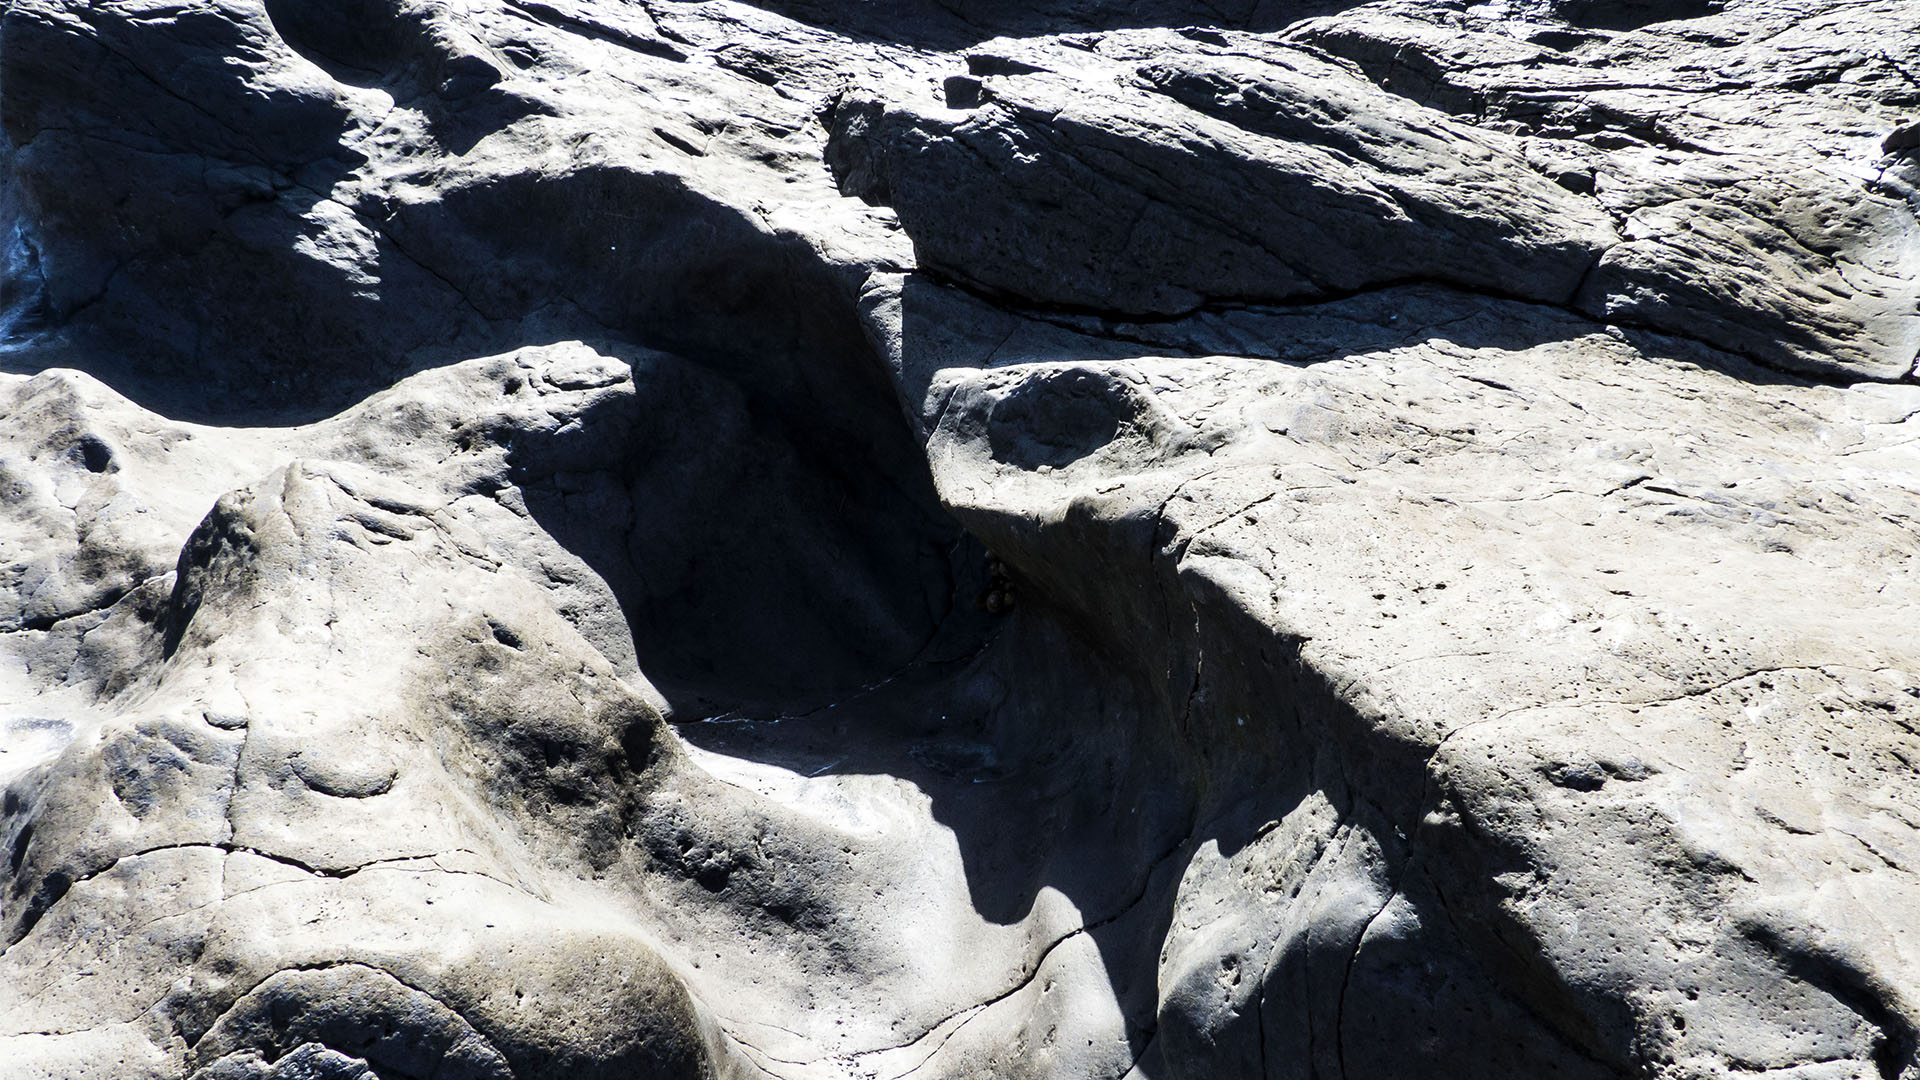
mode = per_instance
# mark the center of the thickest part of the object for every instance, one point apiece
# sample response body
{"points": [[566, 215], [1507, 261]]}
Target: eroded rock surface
{"points": [[547, 538]]}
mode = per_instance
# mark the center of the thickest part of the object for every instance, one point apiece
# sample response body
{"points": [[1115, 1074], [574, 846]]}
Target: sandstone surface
{"points": [[818, 539]]}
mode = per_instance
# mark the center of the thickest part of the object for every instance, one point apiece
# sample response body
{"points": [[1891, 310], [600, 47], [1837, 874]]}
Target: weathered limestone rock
{"points": [[684, 538]]}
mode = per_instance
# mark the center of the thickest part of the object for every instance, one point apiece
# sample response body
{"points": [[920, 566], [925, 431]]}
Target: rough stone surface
{"points": [[956, 538]]}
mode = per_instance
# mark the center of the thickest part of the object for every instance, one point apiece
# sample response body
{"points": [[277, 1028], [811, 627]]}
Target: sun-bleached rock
{"points": [[572, 538]]}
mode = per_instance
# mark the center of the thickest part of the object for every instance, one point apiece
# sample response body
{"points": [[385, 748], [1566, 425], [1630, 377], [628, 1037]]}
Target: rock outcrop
{"points": [[685, 538]]}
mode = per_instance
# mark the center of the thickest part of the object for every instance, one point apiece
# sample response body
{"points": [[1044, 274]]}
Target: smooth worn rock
{"points": [[686, 538]]}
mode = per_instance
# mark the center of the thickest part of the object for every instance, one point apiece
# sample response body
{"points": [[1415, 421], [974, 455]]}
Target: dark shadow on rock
{"points": [[417, 53], [1098, 762], [762, 550], [1127, 715], [1633, 14], [195, 247], [182, 224], [798, 612], [264, 335]]}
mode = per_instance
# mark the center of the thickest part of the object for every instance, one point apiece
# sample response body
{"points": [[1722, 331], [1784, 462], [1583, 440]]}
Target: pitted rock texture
{"points": [[814, 540]]}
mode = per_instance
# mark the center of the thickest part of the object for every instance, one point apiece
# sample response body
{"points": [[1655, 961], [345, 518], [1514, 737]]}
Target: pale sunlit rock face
{"points": [[959, 538]]}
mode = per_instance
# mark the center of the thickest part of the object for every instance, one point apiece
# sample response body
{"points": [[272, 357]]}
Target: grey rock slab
{"points": [[672, 538], [1797, 250], [1803, 269], [370, 876], [271, 655], [1335, 514], [1156, 174]]}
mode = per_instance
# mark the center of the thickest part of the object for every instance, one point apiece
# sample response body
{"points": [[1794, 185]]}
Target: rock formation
{"points": [[874, 539]]}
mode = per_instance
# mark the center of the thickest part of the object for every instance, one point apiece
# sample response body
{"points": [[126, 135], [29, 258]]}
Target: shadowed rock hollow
{"points": [[548, 538]]}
